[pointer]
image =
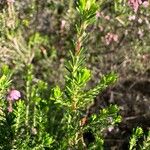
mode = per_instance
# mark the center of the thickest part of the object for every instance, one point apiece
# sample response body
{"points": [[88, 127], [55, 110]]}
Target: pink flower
{"points": [[111, 128], [132, 18], [145, 4], [140, 33], [107, 17], [101, 28], [13, 95], [115, 37], [135, 4], [111, 37], [10, 109], [10, 1], [98, 14]]}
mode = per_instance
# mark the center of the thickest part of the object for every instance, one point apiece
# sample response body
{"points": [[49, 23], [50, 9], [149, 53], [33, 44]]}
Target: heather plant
{"points": [[18, 49], [39, 117], [27, 117], [146, 142], [75, 98], [23, 119], [4, 84], [14, 49], [137, 135]]}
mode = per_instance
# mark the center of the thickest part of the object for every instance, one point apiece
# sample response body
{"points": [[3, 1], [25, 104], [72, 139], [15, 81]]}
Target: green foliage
{"points": [[25, 127], [146, 142], [99, 122], [137, 133], [120, 6], [4, 80], [87, 10], [53, 119], [105, 81], [5, 133], [33, 121], [76, 97], [37, 42]]}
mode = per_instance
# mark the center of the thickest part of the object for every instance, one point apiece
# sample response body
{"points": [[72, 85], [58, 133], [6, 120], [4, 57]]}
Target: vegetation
{"points": [[53, 57]]}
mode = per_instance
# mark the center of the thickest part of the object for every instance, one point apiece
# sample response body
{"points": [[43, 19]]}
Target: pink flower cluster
{"points": [[101, 14], [13, 95], [111, 37], [10, 1], [135, 4]]}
